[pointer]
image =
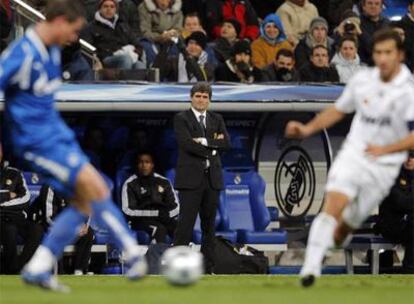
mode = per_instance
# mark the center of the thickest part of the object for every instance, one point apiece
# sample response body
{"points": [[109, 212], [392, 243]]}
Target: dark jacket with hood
{"points": [[108, 36]]}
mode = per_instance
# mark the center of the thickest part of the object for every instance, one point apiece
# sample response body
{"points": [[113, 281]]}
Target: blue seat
{"points": [[243, 208], [197, 235], [167, 151], [238, 158]]}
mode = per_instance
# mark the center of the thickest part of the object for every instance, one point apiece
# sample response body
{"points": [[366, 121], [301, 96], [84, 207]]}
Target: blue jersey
{"points": [[29, 77], [30, 74]]}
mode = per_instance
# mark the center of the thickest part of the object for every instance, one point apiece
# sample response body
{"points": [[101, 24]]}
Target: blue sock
{"points": [[109, 217], [64, 230]]}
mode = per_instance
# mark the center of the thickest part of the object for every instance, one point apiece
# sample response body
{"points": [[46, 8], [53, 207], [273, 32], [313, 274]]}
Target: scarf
{"points": [[182, 70], [111, 24]]}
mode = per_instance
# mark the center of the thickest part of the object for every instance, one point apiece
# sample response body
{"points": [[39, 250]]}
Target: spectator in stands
{"points": [[43, 211], [149, 201], [239, 68], [127, 11], [336, 8], [160, 20], [192, 23], [192, 63], [14, 201], [346, 60], [317, 35], [371, 21], [350, 26], [318, 70], [6, 22], [74, 65], [113, 39], [296, 16], [219, 10], [282, 69], [272, 39], [397, 26], [407, 23], [223, 47], [197, 7], [396, 214]]}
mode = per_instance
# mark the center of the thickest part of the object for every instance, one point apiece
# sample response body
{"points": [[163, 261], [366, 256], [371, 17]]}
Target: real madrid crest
{"points": [[237, 179], [8, 182], [160, 189]]}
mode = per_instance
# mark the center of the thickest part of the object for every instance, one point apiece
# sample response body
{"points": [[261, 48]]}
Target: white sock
{"points": [[43, 260], [321, 238], [129, 244]]}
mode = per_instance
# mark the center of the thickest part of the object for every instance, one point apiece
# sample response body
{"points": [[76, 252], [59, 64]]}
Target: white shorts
{"points": [[364, 181]]}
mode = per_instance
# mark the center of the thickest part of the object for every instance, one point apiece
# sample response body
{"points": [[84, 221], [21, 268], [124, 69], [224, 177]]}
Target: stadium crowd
{"points": [[229, 40]]}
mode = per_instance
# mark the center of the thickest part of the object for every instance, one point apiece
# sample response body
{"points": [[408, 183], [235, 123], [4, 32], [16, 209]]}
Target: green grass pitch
{"points": [[216, 290]]}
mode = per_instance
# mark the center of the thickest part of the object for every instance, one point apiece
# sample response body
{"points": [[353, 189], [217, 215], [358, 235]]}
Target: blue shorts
{"points": [[58, 164]]}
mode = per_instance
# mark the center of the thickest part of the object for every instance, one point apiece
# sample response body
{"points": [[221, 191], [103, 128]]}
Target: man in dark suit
{"points": [[201, 135]]}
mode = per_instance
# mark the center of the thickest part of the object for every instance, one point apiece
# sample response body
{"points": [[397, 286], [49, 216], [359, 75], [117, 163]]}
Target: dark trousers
{"points": [[156, 229], [399, 229], [83, 251], [203, 201], [10, 231]]}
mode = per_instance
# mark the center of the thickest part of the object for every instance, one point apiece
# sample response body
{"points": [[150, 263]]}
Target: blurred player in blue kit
{"points": [[30, 74]]}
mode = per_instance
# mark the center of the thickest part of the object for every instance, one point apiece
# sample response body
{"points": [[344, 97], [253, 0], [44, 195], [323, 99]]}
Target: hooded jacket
{"points": [[108, 36], [346, 68], [155, 21], [264, 49]]}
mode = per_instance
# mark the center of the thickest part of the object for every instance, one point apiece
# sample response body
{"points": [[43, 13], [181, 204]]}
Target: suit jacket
{"points": [[192, 155]]}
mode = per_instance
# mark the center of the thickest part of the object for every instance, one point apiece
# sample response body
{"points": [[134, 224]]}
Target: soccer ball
{"points": [[181, 265]]}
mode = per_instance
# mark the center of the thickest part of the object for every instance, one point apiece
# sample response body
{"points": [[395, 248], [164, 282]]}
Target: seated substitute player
{"points": [[45, 208], [149, 201], [29, 76], [369, 161]]}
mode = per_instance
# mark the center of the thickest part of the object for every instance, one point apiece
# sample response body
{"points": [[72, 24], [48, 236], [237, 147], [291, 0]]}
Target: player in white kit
{"points": [[370, 158]]}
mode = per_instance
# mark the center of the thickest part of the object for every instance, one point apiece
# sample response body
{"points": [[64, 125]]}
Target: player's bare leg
{"points": [[321, 236]]}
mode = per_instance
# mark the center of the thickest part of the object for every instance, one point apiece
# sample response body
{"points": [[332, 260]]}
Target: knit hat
{"points": [[199, 37], [236, 24], [318, 21], [242, 46], [102, 2]]}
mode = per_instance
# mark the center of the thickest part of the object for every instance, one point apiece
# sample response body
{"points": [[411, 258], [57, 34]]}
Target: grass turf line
{"points": [[216, 290]]}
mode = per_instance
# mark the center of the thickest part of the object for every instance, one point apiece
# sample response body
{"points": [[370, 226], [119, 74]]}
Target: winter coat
{"points": [[311, 73], [154, 21], [264, 49], [108, 37], [296, 19], [219, 10], [346, 68], [223, 49], [303, 51], [368, 28]]}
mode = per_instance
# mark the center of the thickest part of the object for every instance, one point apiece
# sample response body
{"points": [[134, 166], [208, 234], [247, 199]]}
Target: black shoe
{"points": [[307, 280]]}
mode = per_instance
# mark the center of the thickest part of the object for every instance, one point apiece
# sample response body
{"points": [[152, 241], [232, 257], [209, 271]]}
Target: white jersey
{"points": [[384, 112]]}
